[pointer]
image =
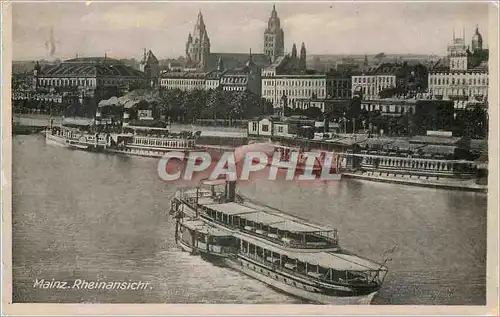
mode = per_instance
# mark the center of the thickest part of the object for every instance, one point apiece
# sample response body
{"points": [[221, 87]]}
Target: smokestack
{"points": [[231, 191]]}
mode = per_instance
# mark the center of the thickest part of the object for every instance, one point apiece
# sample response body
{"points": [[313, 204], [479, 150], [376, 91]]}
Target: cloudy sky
{"points": [[122, 30]]}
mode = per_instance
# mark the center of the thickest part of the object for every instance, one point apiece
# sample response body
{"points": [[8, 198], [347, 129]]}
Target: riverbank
{"points": [[412, 180]]}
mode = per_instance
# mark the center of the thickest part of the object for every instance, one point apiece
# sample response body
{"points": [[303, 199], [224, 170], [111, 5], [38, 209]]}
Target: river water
{"points": [[79, 215]]}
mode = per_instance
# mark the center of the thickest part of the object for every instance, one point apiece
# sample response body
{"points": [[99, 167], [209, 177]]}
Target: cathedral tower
{"points": [[477, 41], [302, 60], [198, 45], [274, 43]]}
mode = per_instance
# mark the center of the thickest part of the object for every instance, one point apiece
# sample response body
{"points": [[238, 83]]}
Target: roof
{"points": [[232, 209], [133, 98], [151, 58], [90, 67], [148, 123], [190, 74], [263, 217], [479, 145], [403, 145], [435, 140], [439, 149], [201, 227], [337, 261], [340, 261], [391, 101], [236, 60], [215, 74], [77, 121], [294, 226]]}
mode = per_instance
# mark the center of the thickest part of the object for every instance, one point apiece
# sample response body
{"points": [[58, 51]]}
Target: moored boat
{"points": [[281, 250], [196, 237], [151, 142]]}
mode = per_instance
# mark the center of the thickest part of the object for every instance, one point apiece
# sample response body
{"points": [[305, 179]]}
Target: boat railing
{"points": [[315, 276], [291, 243]]}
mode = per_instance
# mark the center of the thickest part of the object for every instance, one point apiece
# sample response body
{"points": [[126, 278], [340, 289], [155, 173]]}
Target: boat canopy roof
{"points": [[214, 182], [263, 215], [201, 227], [232, 209], [294, 226], [328, 260]]}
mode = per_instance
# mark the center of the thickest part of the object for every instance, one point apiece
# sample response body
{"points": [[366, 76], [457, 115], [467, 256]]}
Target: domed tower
{"points": [[274, 43], [477, 41]]}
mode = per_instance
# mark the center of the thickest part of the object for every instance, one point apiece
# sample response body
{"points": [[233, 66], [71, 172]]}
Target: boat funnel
{"points": [[231, 191]]}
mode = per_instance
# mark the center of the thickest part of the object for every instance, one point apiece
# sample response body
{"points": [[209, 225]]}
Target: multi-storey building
{"points": [[243, 79], [274, 37], [463, 75], [88, 74], [286, 83], [213, 78], [184, 79], [338, 85], [393, 107], [370, 83], [150, 66], [402, 78], [246, 78]]}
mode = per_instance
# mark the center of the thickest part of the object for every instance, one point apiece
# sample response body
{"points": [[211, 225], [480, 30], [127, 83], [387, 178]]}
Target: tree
{"points": [[380, 56], [313, 113]]}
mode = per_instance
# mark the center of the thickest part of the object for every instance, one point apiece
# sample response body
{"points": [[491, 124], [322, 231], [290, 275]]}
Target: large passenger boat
{"points": [[76, 134], [281, 250], [127, 140], [151, 142]]}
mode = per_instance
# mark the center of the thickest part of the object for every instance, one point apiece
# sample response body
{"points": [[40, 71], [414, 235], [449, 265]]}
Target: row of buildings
{"points": [[284, 79]]}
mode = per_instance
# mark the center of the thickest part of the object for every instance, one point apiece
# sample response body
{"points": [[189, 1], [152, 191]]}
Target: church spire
{"points": [[220, 65], [302, 60], [274, 44]]}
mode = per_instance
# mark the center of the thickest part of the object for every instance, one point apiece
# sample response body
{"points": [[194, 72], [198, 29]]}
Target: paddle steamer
{"points": [[281, 250]]}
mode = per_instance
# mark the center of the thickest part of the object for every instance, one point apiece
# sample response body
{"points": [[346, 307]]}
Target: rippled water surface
{"points": [[79, 215]]}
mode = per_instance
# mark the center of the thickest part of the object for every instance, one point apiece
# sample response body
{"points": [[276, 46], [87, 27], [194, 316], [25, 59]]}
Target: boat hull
{"points": [[145, 153], [273, 280], [55, 140], [215, 258]]}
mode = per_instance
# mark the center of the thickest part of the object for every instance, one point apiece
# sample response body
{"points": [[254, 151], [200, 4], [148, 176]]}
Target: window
{"points": [[265, 128], [280, 129]]}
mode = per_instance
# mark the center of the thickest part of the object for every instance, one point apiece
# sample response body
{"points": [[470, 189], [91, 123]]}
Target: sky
{"points": [[123, 30]]}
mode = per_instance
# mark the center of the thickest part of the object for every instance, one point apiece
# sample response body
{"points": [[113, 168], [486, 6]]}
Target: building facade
{"points": [[87, 74], [391, 107], [150, 66], [391, 79], [338, 85], [370, 83], [463, 75], [286, 86], [185, 79], [274, 38]]}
